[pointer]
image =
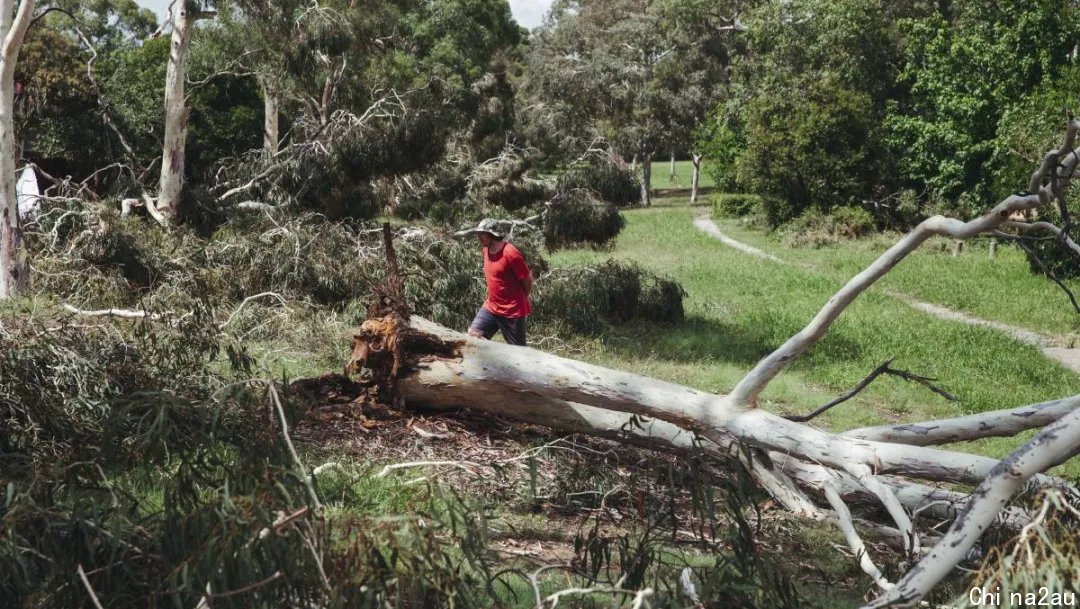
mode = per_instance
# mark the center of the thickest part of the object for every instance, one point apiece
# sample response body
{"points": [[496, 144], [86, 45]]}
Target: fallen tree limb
{"points": [[884, 368], [999, 423], [123, 313], [1057, 441]]}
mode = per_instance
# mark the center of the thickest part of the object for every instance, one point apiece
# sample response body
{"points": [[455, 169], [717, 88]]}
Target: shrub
{"points": [[607, 177], [735, 205], [813, 147], [815, 229], [587, 300], [576, 218]]}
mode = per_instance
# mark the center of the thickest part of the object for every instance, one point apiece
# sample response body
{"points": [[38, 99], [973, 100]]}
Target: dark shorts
{"points": [[512, 328]]}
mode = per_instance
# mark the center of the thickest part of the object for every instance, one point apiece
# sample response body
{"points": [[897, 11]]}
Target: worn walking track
{"points": [[1051, 347]]}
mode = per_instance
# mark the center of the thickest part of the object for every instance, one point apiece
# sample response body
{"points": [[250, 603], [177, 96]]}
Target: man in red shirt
{"points": [[509, 282]]}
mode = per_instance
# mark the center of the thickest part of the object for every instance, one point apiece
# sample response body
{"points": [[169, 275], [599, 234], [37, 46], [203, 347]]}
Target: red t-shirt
{"points": [[505, 273]]}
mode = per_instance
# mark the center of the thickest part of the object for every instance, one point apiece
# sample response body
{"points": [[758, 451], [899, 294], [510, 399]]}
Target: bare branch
{"points": [[123, 313], [1050, 274], [882, 369], [999, 423], [89, 588], [847, 527], [1057, 442]]}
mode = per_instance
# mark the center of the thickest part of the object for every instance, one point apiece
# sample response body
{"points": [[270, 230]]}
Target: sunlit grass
{"points": [[740, 308]]}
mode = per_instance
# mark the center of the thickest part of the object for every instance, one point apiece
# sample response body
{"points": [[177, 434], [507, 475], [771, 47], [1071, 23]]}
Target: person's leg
{"points": [[484, 324], [513, 330]]}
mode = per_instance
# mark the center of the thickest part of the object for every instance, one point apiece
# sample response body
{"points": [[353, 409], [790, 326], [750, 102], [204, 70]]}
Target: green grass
{"points": [[740, 308], [684, 172], [1002, 289]]}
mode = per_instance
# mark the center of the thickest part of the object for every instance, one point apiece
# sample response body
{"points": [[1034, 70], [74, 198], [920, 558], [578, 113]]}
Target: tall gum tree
{"points": [[13, 25], [183, 14]]}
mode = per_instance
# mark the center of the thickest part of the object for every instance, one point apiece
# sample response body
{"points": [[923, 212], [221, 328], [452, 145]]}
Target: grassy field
{"points": [[1002, 289], [684, 172], [740, 308]]}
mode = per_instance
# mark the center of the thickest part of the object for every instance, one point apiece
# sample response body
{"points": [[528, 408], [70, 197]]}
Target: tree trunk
{"points": [[176, 112], [633, 163], [695, 180], [671, 171], [271, 130], [443, 368], [13, 28], [646, 179], [327, 97]]}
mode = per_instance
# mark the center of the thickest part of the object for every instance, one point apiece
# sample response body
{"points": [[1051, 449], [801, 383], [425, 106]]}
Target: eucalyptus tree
{"points": [[14, 21], [639, 73]]}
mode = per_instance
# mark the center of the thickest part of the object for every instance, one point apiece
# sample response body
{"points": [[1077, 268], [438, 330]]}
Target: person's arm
{"points": [[527, 283], [522, 272]]}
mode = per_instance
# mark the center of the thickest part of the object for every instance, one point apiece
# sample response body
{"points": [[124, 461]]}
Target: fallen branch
{"points": [[847, 527], [882, 369], [123, 313], [1058, 441], [89, 588], [999, 423]]}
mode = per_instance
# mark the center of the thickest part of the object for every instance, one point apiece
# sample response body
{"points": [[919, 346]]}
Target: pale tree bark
{"points": [[13, 26], [646, 179], [696, 179], [271, 129], [171, 185], [671, 170], [1059, 441], [327, 98]]}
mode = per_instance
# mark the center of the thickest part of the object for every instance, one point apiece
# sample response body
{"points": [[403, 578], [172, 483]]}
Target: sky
{"points": [[528, 13]]}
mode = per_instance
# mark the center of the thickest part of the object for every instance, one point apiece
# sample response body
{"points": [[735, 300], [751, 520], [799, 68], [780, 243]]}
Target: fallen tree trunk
{"points": [[431, 366]]}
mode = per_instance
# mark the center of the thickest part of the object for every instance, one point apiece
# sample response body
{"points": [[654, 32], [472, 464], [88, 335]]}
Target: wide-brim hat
{"points": [[487, 225]]}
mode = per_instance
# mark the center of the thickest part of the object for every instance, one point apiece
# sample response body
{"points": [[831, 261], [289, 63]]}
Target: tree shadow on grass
{"points": [[696, 339]]}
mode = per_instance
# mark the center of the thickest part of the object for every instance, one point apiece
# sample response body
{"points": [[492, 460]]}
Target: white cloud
{"points": [[161, 7], [529, 13]]}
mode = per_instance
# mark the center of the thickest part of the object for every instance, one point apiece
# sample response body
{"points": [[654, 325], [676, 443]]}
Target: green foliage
{"points": [[575, 217], [815, 228], [607, 177], [815, 148], [722, 147], [965, 74], [226, 111], [55, 90], [735, 206], [587, 300]]}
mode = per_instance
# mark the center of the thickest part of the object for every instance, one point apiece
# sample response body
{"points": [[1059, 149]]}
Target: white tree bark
{"points": [[1058, 441], [453, 370], [176, 111], [999, 423], [696, 179], [13, 26], [671, 169], [646, 179], [271, 130]]}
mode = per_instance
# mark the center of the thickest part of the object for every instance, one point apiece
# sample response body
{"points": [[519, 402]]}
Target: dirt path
{"points": [[1049, 346]]}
